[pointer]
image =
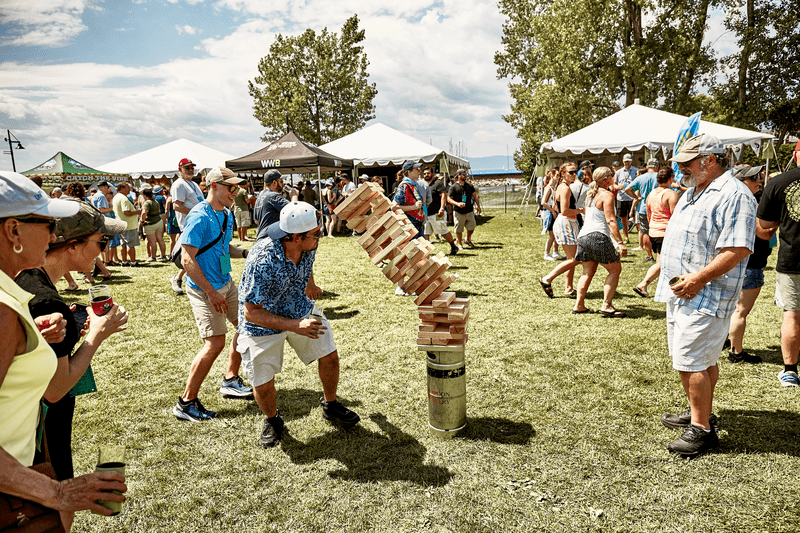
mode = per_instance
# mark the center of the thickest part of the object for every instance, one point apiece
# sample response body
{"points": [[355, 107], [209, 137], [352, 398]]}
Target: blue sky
{"points": [[101, 80]]}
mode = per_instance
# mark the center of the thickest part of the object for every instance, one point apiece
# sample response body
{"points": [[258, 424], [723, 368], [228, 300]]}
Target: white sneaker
{"points": [[788, 378], [548, 257], [559, 256], [400, 292], [176, 285]]}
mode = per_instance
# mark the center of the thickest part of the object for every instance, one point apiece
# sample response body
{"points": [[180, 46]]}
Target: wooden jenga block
{"points": [[382, 240], [416, 257], [444, 299], [374, 225], [431, 275], [391, 247], [435, 289], [358, 209], [428, 326], [456, 328], [356, 198], [423, 341], [419, 273]]}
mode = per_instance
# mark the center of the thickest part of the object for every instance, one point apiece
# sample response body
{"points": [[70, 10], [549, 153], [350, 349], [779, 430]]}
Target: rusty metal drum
{"points": [[447, 392]]}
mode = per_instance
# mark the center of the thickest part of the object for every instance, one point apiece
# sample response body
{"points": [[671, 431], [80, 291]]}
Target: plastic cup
{"points": [[111, 459], [100, 297]]}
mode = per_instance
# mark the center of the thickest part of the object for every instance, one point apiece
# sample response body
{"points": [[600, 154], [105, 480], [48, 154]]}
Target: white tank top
{"points": [[594, 220]]}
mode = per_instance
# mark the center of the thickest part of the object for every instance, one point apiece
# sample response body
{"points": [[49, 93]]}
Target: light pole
{"points": [[11, 139]]}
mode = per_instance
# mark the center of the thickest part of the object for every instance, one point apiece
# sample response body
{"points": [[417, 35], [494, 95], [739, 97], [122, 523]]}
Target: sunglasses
{"points": [[51, 222], [103, 242], [573, 172]]}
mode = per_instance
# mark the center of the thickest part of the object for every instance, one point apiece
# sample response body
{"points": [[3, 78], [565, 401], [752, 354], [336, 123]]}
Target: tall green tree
{"points": [[760, 86], [315, 85], [571, 63]]}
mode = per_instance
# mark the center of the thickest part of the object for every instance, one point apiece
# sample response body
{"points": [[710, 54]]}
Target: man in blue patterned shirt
{"points": [[703, 260], [275, 305]]}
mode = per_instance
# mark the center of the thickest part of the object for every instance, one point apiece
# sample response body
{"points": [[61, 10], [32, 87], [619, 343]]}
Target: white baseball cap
{"points": [[21, 196], [296, 217]]}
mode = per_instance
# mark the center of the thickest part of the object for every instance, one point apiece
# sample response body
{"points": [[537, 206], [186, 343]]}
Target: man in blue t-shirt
{"points": [[639, 189], [275, 306], [270, 201], [206, 253]]}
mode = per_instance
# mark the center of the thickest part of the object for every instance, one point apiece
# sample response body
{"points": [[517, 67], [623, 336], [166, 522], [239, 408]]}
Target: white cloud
{"points": [[432, 63], [185, 29], [51, 23]]}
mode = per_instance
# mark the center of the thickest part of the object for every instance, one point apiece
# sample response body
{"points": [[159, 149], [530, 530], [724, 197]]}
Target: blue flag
{"points": [[687, 131]]}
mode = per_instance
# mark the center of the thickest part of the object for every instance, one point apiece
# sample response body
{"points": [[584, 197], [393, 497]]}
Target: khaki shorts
{"points": [[152, 229], [436, 225], [466, 220], [242, 217], [210, 323], [787, 291], [262, 357], [695, 340]]}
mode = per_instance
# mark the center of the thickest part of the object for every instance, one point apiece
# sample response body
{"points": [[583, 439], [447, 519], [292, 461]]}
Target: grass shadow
{"points": [[757, 431], [640, 311], [458, 267], [328, 295], [369, 456], [467, 294], [499, 430], [339, 312], [772, 355]]}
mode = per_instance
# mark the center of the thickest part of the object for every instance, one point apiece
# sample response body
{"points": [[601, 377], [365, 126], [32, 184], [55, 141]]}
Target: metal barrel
{"points": [[447, 393]]}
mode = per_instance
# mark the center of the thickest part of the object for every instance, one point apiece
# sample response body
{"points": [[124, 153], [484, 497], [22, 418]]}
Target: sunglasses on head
{"points": [[51, 222]]}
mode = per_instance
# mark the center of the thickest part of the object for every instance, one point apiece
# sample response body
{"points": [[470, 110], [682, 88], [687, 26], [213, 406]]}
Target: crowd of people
{"points": [[708, 234], [711, 231]]}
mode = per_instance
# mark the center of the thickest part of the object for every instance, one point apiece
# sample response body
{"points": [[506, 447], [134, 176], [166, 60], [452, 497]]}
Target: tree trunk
{"points": [[744, 64], [691, 69], [632, 44]]}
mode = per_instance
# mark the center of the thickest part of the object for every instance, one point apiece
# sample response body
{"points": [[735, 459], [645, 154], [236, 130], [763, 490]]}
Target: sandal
{"points": [[572, 294], [640, 292], [616, 313], [585, 311], [547, 288]]}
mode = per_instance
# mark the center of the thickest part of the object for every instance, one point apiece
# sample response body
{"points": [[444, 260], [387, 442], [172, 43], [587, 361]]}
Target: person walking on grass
{"points": [[276, 305], [595, 246], [566, 231], [408, 197], [466, 204], [640, 188], [549, 214], [660, 206], [206, 256], [124, 211], [436, 223], [780, 207], [754, 274], [185, 194], [622, 178], [703, 260]]}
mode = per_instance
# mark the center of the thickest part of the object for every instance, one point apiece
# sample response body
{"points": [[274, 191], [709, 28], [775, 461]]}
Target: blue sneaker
{"points": [[235, 387], [788, 378], [192, 411]]}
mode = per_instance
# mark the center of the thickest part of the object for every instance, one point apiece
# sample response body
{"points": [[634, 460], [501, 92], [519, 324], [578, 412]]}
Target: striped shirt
{"points": [[723, 215]]}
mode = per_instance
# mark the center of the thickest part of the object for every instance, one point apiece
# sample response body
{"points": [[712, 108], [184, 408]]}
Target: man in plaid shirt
{"points": [[703, 260]]}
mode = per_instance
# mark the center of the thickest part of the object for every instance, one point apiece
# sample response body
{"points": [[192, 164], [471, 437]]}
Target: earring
{"points": [[15, 248]]}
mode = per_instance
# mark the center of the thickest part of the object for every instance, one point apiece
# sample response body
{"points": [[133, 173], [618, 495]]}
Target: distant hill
{"points": [[492, 162]]}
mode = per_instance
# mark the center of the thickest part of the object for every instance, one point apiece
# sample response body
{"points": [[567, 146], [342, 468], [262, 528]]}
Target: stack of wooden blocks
{"points": [[389, 239]]}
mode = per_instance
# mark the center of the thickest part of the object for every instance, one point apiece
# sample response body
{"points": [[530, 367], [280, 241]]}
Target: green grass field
{"points": [[563, 413]]}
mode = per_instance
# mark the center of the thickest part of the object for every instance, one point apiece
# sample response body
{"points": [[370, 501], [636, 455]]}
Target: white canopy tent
{"points": [[162, 161], [637, 127], [379, 146]]}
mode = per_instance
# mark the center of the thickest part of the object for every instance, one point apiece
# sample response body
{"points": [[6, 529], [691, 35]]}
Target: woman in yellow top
{"points": [[27, 363]]}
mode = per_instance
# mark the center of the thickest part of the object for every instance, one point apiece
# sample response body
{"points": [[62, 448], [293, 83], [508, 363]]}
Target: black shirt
{"points": [[761, 249], [462, 193], [268, 210], [437, 188], [780, 202], [46, 300]]}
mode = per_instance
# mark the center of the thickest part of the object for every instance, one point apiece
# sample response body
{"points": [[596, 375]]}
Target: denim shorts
{"points": [[753, 278]]}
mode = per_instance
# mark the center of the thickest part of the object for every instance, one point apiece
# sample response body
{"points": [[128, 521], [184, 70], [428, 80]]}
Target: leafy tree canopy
{"points": [[315, 85]]}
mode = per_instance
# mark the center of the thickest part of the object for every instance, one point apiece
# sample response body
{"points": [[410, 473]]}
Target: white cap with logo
{"points": [[21, 196]]}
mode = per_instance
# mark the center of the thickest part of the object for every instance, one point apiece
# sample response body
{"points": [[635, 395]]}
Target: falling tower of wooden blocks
{"points": [[389, 239]]}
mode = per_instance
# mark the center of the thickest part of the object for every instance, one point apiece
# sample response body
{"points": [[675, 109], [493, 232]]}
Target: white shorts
{"points": [[695, 339], [436, 225], [262, 357], [566, 230]]}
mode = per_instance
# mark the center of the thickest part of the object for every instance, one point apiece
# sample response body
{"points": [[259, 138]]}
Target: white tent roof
{"points": [[637, 127], [380, 145], [162, 161]]}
